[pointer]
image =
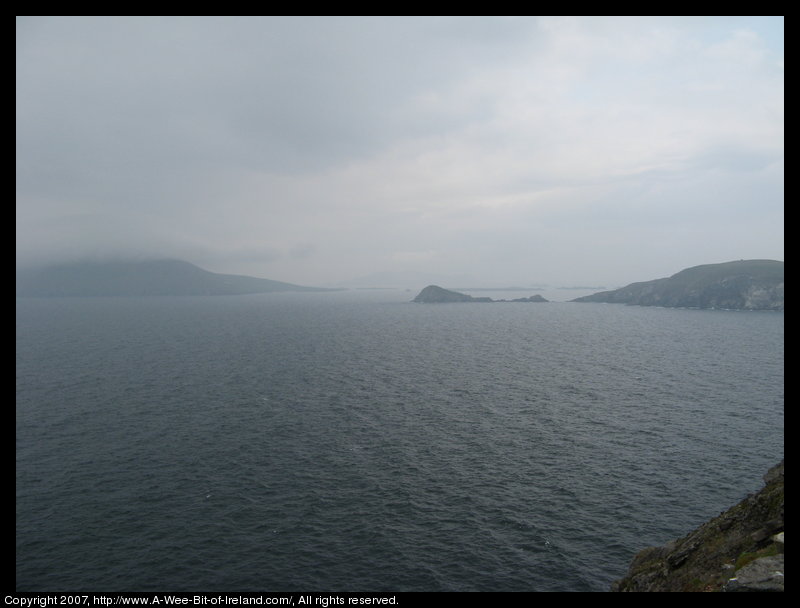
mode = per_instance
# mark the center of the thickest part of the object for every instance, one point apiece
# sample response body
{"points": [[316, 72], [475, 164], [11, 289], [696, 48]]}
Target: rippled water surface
{"points": [[359, 442]]}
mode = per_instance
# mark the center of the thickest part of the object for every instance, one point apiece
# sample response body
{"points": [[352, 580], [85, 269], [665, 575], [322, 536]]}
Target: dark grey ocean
{"points": [[354, 441]]}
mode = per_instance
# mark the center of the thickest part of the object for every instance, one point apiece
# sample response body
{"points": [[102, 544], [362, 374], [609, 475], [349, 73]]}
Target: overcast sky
{"points": [[528, 150]]}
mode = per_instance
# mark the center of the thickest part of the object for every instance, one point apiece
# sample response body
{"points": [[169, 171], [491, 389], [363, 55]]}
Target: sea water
{"points": [[355, 441]]}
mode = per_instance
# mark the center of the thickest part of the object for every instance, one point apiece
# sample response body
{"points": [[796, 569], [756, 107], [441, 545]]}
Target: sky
{"points": [[360, 150]]}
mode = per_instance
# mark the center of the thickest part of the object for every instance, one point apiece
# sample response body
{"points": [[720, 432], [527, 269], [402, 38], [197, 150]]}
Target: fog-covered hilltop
{"points": [[140, 278], [741, 285]]}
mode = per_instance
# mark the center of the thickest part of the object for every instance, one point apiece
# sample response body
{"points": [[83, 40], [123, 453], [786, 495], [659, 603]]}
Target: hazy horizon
{"points": [[324, 150], [377, 280]]}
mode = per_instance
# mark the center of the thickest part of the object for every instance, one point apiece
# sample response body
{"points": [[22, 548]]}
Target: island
{"points": [[738, 285], [433, 294], [162, 277]]}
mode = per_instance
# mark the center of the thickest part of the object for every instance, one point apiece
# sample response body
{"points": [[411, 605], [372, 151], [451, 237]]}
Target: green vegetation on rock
{"points": [[711, 557]]}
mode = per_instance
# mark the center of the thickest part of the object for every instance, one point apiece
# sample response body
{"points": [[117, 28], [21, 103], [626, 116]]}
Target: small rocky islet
{"points": [[433, 294]]}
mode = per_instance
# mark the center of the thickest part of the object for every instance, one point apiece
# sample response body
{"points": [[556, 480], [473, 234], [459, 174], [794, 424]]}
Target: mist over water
{"points": [[355, 441]]}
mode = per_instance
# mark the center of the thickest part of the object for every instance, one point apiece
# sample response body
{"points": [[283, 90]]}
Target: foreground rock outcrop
{"points": [[739, 550], [741, 285]]}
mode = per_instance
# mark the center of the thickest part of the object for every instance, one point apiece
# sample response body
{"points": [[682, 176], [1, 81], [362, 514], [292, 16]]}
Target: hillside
{"points": [[741, 285], [149, 278], [739, 550]]}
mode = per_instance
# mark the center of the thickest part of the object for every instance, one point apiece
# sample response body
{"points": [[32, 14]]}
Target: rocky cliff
{"points": [[741, 285], [739, 550]]}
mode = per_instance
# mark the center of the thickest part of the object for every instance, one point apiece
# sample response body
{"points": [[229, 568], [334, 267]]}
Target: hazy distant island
{"points": [[141, 278], [433, 294], [741, 285]]}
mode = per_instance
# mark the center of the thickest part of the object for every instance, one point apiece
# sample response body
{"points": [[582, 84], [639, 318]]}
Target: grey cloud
{"points": [[277, 93], [314, 146]]}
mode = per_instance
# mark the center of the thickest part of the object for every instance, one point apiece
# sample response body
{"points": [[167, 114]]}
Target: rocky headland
{"points": [[740, 285], [433, 294], [741, 549]]}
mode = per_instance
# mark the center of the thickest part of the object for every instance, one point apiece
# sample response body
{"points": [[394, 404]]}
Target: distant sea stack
{"points": [[433, 294], [146, 278], [742, 285]]}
